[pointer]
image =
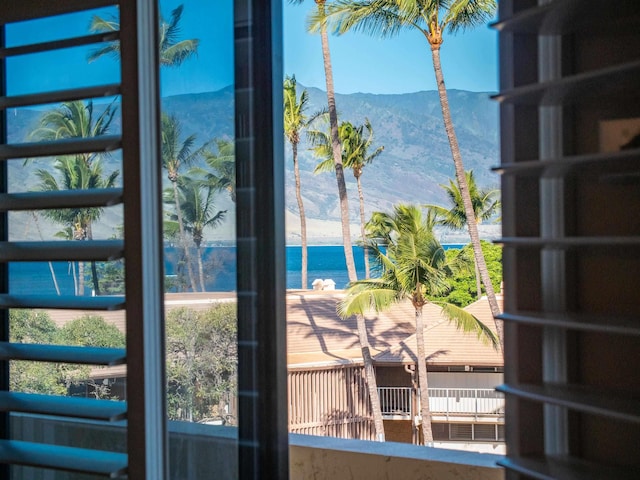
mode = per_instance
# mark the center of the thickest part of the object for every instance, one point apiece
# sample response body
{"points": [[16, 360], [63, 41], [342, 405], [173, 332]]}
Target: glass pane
{"points": [[199, 234]]}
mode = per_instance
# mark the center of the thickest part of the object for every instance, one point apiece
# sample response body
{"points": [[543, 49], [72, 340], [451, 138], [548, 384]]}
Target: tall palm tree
{"points": [[413, 266], [173, 52], [199, 212], [77, 119], [74, 174], [178, 153], [431, 18], [485, 204], [353, 142], [335, 143], [296, 120], [355, 156]]}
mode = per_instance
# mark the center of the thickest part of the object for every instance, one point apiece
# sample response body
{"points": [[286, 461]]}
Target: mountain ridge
{"points": [[415, 162]]}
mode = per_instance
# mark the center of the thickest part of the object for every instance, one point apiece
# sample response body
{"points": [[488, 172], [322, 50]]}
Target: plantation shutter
{"points": [[141, 249], [570, 125]]}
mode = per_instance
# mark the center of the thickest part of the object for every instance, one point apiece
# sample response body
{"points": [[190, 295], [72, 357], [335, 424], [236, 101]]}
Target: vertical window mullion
{"points": [[262, 369], [4, 268]]}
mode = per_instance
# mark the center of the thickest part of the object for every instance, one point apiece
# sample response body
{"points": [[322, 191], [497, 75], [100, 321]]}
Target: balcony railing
{"points": [[444, 402]]}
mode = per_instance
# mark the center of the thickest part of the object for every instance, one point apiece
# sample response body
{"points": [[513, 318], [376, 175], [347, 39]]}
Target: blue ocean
{"points": [[325, 262]]}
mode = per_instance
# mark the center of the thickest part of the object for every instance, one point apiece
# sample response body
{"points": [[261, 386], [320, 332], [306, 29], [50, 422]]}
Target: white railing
{"points": [[443, 401], [396, 401], [466, 401]]}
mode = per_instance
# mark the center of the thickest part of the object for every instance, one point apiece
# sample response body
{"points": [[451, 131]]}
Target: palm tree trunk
{"points": [[200, 269], [423, 384], [478, 281], [303, 219], [183, 238], [53, 273], [370, 376], [337, 150], [72, 267], [362, 232], [94, 269], [464, 192], [81, 278]]}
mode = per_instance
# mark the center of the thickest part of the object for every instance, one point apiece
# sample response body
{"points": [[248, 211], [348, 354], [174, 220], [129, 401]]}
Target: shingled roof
{"points": [[317, 337], [445, 345]]}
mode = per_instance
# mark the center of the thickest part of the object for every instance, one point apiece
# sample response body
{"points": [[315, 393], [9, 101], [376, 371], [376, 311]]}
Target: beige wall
{"points": [[320, 458]]}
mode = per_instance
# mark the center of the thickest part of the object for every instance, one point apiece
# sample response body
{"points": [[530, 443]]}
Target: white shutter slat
{"points": [[72, 250], [64, 302], [75, 407], [42, 98], [99, 197], [63, 354], [59, 44], [575, 88], [108, 464], [31, 9], [67, 146], [615, 324], [566, 468], [621, 406], [569, 164]]}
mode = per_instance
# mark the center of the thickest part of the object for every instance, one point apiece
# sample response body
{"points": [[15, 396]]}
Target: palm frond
{"points": [[468, 323], [176, 54], [366, 295], [381, 18], [465, 14]]}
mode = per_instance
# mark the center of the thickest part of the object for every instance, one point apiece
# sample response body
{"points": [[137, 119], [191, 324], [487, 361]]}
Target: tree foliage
{"points": [[462, 284], [35, 326], [91, 331], [201, 362], [172, 51]]}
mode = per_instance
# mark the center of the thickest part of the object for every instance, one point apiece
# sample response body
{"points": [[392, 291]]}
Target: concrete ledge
{"points": [[329, 458]]}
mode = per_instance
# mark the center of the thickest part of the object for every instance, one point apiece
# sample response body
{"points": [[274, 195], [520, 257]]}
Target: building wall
{"points": [[331, 402], [464, 380]]}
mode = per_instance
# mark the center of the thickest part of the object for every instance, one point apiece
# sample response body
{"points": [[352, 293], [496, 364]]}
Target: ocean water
{"points": [[325, 262]]}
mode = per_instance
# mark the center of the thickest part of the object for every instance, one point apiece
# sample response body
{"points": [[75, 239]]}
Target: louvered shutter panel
{"points": [[141, 249], [568, 71]]}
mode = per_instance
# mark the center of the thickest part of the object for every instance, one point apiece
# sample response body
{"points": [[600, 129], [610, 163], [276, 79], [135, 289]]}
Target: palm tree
{"points": [[352, 148], [295, 120], [355, 156], [172, 51], [76, 119], [485, 204], [413, 266], [176, 154], [335, 144], [75, 174], [431, 18], [198, 209]]}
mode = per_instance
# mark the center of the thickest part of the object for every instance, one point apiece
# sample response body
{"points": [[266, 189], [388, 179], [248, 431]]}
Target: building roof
{"points": [[445, 345], [317, 337]]}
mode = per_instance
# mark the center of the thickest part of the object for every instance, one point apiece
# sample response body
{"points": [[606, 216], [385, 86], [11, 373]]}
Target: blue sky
{"points": [[360, 63]]}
